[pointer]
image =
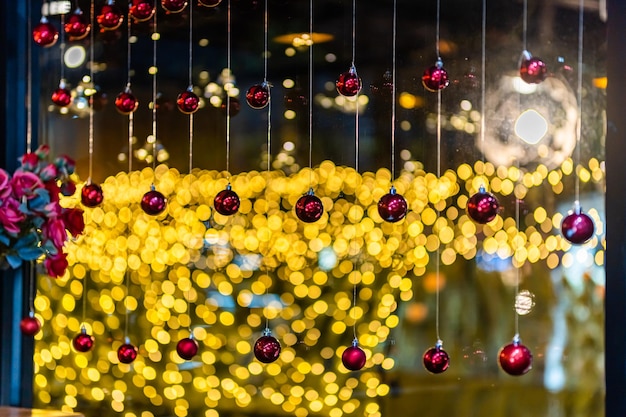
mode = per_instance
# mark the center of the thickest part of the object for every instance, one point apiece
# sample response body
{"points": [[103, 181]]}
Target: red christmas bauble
{"points": [[436, 360], [83, 342], [126, 102], [68, 188], [30, 325], [232, 104], [309, 207], [515, 359], [577, 227], [127, 353], [267, 348], [77, 26], [153, 202], [258, 96], [209, 3], [187, 348], [435, 78], [110, 16], [61, 96], [91, 195], [226, 202], [44, 33], [532, 69], [142, 10], [384, 87], [353, 358], [482, 207], [392, 207], [349, 83], [187, 101], [174, 6]]}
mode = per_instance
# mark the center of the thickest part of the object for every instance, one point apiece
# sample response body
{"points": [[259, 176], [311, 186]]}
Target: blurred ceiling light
{"points": [[531, 126], [299, 40], [74, 56]]}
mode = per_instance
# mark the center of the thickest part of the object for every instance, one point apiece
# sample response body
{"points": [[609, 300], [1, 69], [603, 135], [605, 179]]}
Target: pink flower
{"points": [[11, 216], [56, 264], [74, 221], [54, 231], [29, 161], [5, 184], [24, 184]]}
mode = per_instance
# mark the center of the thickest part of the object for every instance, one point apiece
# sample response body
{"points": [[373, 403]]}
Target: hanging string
{"points": [[190, 87], [62, 48], [311, 92], [155, 37], [126, 305], [31, 287], [579, 95], [524, 23], [131, 117], [269, 127], [265, 41], [91, 61], [393, 89], [483, 65], [356, 167], [437, 28], [228, 52], [29, 84], [438, 134]]}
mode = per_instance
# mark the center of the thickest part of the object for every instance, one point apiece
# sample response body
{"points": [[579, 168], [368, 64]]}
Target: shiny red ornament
{"points": [[77, 26], [187, 101], [91, 195], [209, 3], [227, 201], [353, 358], [532, 69], [110, 16], [187, 348], [266, 347], [258, 96], [44, 33], [515, 359], [174, 6], [577, 227], [126, 102], [435, 78], [153, 202], [349, 83], [309, 207], [83, 342], [62, 96], [392, 207], [435, 359], [232, 104], [30, 325], [142, 10], [482, 207], [127, 353]]}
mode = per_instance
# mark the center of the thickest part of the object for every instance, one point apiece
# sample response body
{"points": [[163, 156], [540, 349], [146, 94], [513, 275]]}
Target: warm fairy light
{"points": [[213, 261]]}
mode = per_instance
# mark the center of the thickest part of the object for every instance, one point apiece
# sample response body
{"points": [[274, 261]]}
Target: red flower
{"points": [[24, 184], [74, 221], [56, 264], [5, 184], [29, 161], [53, 190], [54, 230]]}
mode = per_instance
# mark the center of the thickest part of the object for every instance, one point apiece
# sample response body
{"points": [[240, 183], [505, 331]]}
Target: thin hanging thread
{"points": [[579, 94], [126, 305], [190, 88], [228, 52], [131, 117], [269, 125], [524, 24], [311, 92], [91, 60], [29, 85], [437, 28], [438, 132], [31, 287], [356, 167], [393, 89], [62, 47], [155, 36], [483, 66]]}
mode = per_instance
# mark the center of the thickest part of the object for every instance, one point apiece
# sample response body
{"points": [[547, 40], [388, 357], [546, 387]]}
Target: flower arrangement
{"points": [[33, 224]]}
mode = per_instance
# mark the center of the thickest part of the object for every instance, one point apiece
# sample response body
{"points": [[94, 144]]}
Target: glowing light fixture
{"points": [[531, 126]]}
